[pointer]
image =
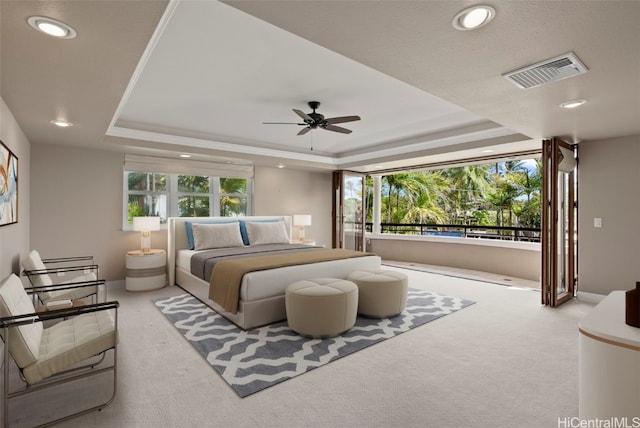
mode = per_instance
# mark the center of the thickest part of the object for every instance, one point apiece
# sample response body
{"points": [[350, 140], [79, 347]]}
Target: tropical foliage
{"points": [[499, 194], [148, 193]]}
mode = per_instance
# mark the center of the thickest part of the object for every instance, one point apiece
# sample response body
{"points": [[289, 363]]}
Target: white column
{"points": [[377, 202]]}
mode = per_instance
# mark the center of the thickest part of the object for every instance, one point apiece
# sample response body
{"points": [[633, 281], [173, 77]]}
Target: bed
{"points": [[261, 292]]}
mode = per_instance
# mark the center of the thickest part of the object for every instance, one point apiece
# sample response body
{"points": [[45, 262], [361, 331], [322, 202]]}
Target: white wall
{"points": [[609, 188], [14, 238], [77, 206], [287, 192]]}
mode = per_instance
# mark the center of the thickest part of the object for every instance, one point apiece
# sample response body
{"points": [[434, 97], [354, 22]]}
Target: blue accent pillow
{"points": [[189, 227], [243, 228]]}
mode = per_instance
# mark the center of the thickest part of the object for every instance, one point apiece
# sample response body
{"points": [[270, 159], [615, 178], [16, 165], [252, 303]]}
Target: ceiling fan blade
{"points": [[304, 130], [282, 123], [342, 119], [337, 129], [303, 115]]}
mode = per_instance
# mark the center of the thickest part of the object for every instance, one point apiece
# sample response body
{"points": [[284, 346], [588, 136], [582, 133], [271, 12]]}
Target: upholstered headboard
{"points": [[177, 235]]}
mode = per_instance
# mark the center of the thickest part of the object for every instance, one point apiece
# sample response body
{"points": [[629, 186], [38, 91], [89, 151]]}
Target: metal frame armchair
{"points": [[63, 352], [47, 290]]}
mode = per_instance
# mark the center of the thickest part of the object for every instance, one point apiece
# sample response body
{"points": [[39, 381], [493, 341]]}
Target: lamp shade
{"points": [[146, 224], [302, 220]]}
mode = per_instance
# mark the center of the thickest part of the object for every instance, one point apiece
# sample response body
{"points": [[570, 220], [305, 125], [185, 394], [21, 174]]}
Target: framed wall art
{"points": [[8, 186]]}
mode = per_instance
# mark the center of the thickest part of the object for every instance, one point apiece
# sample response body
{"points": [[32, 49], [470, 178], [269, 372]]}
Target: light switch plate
{"points": [[597, 222]]}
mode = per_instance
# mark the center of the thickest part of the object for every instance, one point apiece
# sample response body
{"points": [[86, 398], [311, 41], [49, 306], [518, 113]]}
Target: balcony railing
{"points": [[523, 234]]}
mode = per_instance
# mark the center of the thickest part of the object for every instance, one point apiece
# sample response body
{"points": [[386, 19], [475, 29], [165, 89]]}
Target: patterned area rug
{"points": [[253, 360]]}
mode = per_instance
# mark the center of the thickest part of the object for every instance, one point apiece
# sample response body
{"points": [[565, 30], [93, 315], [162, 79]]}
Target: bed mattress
{"points": [[271, 283]]}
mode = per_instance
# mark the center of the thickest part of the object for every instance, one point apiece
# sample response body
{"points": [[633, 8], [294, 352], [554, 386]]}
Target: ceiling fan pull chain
{"points": [[311, 133]]}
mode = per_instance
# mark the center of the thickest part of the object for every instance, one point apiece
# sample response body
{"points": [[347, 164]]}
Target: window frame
{"points": [[173, 195]]}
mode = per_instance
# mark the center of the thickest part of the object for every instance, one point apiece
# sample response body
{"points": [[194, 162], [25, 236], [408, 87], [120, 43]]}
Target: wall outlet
{"points": [[597, 222]]}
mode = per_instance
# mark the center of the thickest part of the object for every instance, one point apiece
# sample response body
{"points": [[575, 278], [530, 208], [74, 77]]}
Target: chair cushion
{"points": [[34, 262], [71, 293], [24, 341], [72, 341]]}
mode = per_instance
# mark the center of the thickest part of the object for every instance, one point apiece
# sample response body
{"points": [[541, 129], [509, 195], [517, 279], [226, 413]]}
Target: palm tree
{"points": [[503, 199], [394, 185], [470, 184], [196, 204], [232, 200], [429, 193], [420, 196], [529, 212], [464, 192]]}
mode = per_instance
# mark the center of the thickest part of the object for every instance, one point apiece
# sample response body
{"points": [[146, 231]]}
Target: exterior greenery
{"points": [[499, 194], [184, 195], [145, 191]]}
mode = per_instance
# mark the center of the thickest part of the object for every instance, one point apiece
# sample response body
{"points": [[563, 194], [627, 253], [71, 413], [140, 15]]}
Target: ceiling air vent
{"points": [[558, 68]]}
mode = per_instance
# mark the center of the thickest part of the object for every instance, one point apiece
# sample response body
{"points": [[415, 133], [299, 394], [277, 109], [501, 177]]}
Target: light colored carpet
{"points": [[252, 360], [506, 361]]}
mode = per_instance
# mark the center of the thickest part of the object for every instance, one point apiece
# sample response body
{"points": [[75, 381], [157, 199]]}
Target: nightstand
{"points": [[146, 271]]}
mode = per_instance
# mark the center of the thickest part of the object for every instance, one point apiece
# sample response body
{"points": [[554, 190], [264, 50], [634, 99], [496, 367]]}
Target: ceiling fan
{"points": [[315, 120]]}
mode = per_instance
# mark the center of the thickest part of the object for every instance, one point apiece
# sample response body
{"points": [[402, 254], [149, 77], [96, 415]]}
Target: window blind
{"points": [[140, 163]]}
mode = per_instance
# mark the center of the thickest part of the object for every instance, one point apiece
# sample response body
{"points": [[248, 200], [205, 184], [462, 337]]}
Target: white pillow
{"points": [[267, 233], [206, 236]]}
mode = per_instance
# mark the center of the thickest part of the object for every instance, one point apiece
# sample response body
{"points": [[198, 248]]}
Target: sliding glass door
{"points": [[559, 222], [348, 210]]}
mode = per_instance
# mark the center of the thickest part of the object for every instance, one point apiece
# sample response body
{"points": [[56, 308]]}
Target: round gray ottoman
{"points": [[321, 307], [382, 293]]}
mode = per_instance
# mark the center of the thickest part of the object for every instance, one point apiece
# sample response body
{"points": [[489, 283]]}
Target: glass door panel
{"points": [[559, 222], [348, 208]]}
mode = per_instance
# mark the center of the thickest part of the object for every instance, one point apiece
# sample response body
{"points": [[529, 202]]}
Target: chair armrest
{"points": [[68, 259], [59, 270], [18, 320], [65, 286]]}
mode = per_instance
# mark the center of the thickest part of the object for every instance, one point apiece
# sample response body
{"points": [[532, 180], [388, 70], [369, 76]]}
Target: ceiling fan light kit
{"points": [[315, 120]]}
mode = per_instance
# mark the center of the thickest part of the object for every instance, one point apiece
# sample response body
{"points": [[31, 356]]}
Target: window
{"points": [[146, 194], [499, 199], [194, 196], [179, 195], [233, 197]]}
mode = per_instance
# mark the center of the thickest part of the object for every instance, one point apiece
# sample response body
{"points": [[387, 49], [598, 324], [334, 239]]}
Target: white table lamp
{"points": [[301, 220], [145, 225]]}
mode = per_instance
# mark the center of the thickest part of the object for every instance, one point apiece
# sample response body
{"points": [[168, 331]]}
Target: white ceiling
{"points": [[212, 72]]}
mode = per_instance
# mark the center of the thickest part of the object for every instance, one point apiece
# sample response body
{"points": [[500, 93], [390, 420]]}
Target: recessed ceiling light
{"points": [[473, 17], [280, 166], [573, 103], [61, 123], [52, 27], [185, 156]]}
